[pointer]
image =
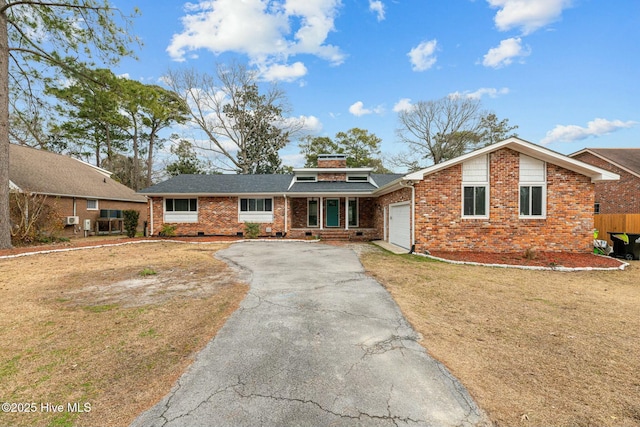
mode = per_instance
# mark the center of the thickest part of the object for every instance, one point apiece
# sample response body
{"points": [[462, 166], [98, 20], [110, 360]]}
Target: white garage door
{"points": [[400, 225]]}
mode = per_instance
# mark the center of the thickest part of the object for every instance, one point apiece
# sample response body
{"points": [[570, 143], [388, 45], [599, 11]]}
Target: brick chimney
{"points": [[332, 161]]}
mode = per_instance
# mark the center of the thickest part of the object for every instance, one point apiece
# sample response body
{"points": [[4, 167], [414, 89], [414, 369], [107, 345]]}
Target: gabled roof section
{"points": [[44, 172], [627, 159], [221, 185], [529, 149]]}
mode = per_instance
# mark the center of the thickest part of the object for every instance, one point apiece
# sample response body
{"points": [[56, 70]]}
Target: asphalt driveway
{"points": [[315, 343]]}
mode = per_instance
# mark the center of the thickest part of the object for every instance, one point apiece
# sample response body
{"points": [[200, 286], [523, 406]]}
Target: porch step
{"points": [[334, 235]]}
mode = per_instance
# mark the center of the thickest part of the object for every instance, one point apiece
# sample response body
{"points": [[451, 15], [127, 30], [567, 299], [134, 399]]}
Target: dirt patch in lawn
{"points": [[532, 347], [109, 327], [533, 259]]}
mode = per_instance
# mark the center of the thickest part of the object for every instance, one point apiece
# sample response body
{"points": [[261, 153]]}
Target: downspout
{"points": [[151, 216], [286, 214]]}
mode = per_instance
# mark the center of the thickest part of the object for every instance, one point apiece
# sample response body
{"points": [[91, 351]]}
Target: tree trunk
{"points": [[5, 218]]}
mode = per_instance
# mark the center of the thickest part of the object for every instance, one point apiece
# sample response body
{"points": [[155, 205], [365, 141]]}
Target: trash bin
{"points": [[625, 245]]}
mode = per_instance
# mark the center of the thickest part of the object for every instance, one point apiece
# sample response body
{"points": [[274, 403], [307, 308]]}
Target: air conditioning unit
{"points": [[72, 220]]}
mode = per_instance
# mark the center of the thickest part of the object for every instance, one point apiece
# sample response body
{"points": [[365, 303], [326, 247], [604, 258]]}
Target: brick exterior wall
{"points": [[568, 225], [218, 216], [379, 217], [332, 177], [615, 197]]}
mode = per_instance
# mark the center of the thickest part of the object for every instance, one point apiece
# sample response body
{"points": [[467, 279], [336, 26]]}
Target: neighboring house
{"points": [[615, 197], [510, 196], [78, 191]]}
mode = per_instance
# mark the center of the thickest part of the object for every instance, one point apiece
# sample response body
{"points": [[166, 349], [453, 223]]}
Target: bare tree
{"points": [[435, 131], [236, 119]]}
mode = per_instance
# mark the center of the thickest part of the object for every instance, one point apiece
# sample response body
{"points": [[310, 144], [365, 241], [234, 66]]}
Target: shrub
{"points": [[168, 230], [530, 254], [131, 218], [33, 218], [251, 230]]}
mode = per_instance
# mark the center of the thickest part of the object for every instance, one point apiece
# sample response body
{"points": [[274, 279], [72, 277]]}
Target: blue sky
{"points": [[567, 72]]}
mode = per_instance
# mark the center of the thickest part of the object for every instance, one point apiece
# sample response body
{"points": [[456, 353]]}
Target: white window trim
{"points": [[178, 217], [487, 192], [307, 178], [263, 217], [357, 178], [544, 199], [357, 200], [317, 212], [485, 184], [97, 208]]}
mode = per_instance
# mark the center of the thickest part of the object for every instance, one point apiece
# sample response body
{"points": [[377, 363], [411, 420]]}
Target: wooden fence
{"points": [[627, 223]]}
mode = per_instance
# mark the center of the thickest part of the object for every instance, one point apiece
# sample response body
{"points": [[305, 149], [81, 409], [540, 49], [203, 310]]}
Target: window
{"points": [[358, 178], [306, 178], [533, 187], [475, 187], [353, 212], [181, 205], [312, 213], [256, 205], [180, 210], [475, 201], [531, 198], [92, 205], [596, 208], [256, 210]]}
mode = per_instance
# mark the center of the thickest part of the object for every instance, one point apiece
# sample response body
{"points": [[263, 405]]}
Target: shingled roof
{"points": [[44, 172], [627, 158], [260, 184]]}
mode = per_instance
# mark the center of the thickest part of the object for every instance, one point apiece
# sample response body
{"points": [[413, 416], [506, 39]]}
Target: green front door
{"points": [[333, 212]]}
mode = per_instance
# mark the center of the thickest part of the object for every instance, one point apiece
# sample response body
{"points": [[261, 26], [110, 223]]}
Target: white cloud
{"points": [[357, 109], [282, 72], [262, 30], [423, 57], [503, 55], [528, 15], [595, 127], [489, 91], [378, 7], [403, 105]]}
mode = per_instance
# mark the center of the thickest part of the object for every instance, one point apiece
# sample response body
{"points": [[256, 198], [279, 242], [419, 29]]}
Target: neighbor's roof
{"points": [[627, 159], [528, 149], [260, 184], [44, 172]]}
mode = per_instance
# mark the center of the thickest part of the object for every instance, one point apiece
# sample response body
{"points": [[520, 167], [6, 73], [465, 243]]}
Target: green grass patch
{"points": [[9, 367], [100, 308], [147, 272]]}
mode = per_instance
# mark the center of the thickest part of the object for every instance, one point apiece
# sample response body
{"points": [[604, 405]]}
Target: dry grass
{"points": [[533, 347], [88, 327]]}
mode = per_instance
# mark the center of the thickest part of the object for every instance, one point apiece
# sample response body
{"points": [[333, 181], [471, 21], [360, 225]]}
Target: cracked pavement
{"points": [[316, 342]]}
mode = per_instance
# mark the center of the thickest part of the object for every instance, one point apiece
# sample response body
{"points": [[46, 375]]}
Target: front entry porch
{"points": [[333, 217]]}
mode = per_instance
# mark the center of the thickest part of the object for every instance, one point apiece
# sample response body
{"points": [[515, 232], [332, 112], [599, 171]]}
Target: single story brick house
{"points": [[509, 196], [84, 196], [615, 197]]}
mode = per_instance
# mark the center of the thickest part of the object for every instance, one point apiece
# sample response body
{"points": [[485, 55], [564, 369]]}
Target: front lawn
{"points": [[107, 331], [532, 347]]}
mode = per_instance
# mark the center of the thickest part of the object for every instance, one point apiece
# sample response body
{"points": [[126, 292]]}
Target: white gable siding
{"points": [[475, 170], [531, 170]]}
